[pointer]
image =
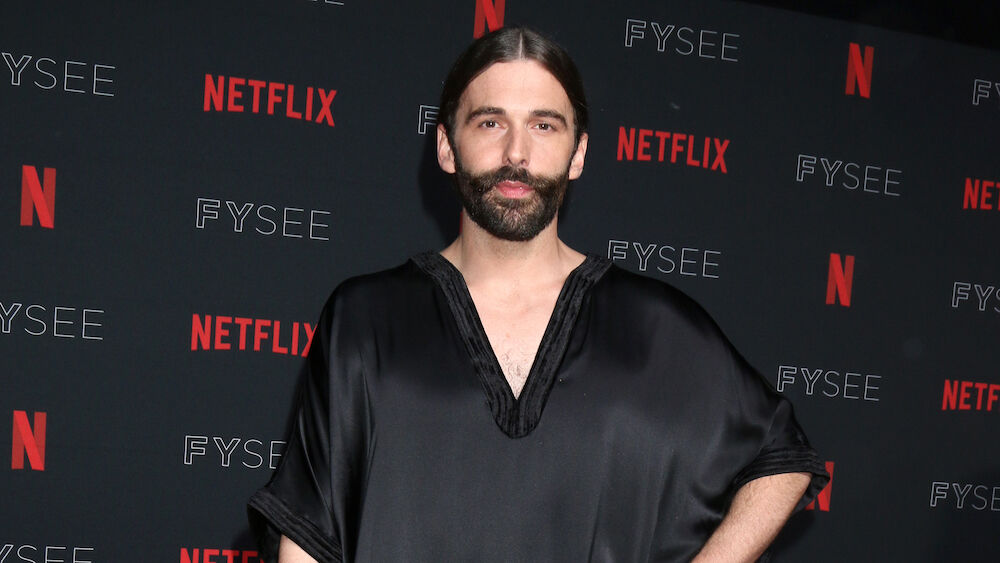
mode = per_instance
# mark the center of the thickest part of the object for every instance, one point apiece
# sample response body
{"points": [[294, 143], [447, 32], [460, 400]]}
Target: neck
{"points": [[485, 259]]}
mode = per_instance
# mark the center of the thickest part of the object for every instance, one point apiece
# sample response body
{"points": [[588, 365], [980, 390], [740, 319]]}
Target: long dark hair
{"points": [[512, 44]]}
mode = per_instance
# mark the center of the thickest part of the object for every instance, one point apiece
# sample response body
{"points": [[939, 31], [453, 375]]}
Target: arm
{"points": [[290, 552], [759, 510]]}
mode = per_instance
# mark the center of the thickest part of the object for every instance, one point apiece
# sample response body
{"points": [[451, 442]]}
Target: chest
{"points": [[514, 327]]}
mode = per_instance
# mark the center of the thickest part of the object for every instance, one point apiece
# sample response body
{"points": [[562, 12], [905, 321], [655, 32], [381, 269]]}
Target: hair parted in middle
{"points": [[512, 44]]}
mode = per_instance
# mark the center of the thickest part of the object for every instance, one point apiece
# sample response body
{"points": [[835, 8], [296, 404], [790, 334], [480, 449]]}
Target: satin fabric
{"points": [[637, 424]]}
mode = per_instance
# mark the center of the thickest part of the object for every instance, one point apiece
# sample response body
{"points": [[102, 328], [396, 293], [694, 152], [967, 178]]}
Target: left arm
{"points": [[759, 510]]}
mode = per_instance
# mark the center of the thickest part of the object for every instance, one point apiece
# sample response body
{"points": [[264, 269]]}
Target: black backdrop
{"points": [[138, 426]]}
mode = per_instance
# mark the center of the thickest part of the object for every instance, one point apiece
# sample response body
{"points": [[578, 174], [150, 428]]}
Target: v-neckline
{"points": [[516, 417]]}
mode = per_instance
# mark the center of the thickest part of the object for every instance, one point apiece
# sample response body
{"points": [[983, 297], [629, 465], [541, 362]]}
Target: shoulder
{"points": [[648, 298], [367, 294]]}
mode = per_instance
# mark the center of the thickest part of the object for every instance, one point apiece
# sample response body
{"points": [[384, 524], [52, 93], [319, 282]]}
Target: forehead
{"points": [[522, 85]]}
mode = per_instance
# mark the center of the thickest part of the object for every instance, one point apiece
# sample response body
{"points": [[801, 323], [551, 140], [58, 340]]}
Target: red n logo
{"points": [[27, 442], [37, 196], [840, 280], [489, 14], [823, 498], [860, 71]]}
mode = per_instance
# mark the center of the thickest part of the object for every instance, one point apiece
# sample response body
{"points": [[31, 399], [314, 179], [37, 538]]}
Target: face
{"points": [[514, 149]]}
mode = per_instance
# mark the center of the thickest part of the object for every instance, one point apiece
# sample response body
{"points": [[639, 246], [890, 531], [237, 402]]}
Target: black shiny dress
{"points": [[637, 423]]}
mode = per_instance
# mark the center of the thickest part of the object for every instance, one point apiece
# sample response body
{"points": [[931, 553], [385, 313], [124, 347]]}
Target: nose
{"points": [[518, 147]]}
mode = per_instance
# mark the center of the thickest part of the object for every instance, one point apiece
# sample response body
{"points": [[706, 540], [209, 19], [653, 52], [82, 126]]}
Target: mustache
{"points": [[486, 181]]}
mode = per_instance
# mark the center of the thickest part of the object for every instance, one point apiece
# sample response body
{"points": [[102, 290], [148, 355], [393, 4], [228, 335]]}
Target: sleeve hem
{"points": [[270, 518], [801, 459]]}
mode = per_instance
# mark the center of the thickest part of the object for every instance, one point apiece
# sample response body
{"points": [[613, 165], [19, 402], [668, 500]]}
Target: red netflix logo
{"points": [[38, 197], [859, 70], [28, 442], [273, 94], [958, 395], [489, 14], [198, 555], [823, 498], [695, 151], [251, 332], [981, 194], [840, 280]]}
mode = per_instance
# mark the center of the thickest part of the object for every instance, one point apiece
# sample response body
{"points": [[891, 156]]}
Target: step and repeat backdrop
{"points": [[183, 184]]}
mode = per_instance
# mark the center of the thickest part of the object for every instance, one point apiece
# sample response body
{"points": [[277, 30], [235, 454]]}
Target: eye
{"points": [[489, 124], [544, 126]]}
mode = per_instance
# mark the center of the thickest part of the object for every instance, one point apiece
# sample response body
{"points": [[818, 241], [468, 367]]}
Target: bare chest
{"points": [[515, 331]]}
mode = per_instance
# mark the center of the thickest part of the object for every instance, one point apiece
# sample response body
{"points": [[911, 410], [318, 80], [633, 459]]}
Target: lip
{"points": [[513, 190]]}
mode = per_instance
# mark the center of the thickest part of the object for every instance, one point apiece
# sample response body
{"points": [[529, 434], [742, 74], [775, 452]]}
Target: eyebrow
{"points": [[492, 110]]}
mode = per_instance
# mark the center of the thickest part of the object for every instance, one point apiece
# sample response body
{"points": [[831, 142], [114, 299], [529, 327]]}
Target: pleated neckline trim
{"points": [[516, 417]]}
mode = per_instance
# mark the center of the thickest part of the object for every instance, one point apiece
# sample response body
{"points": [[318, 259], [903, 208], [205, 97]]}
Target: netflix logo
{"points": [[665, 258], [59, 321], [28, 442], [840, 280], [832, 384], [957, 496], [878, 180], [984, 90], [859, 70], [27, 553], [981, 295], [238, 95], [488, 17], [245, 333], [209, 555], [979, 194], [822, 500], [683, 40], [247, 452], [46, 73], [970, 395], [664, 146], [38, 196]]}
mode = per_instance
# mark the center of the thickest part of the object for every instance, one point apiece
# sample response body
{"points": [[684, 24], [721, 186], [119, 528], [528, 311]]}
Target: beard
{"points": [[505, 218]]}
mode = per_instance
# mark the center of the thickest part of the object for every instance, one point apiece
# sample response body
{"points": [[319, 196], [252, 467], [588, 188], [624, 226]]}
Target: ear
{"points": [[576, 162], [446, 156]]}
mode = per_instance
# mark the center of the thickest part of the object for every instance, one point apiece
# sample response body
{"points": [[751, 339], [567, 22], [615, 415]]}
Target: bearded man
{"points": [[511, 399]]}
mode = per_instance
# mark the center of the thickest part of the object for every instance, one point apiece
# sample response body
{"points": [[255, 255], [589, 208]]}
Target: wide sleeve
{"points": [[783, 446], [313, 496]]}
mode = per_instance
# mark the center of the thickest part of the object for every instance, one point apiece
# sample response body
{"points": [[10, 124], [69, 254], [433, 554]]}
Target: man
{"points": [[510, 399]]}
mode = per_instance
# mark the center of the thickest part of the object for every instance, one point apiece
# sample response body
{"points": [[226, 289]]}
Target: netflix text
{"points": [[651, 145], [970, 396], [238, 95], [246, 333], [981, 194], [218, 555]]}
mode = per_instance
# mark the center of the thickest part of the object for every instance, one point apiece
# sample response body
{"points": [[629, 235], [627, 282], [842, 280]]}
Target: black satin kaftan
{"points": [[637, 423]]}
